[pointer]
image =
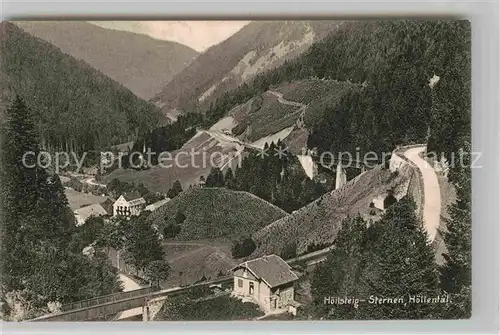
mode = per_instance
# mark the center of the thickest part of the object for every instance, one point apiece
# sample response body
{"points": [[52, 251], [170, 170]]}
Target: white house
{"points": [[82, 214], [267, 281], [129, 204]]}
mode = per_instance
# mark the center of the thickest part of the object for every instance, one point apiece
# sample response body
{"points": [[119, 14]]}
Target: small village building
{"points": [[156, 205], [82, 214], [129, 204], [267, 281]]}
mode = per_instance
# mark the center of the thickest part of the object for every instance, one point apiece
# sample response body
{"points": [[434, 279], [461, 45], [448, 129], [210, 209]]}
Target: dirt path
{"points": [[281, 100], [286, 102], [432, 194]]}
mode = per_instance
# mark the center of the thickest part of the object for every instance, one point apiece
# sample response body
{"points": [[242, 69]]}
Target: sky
{"points": [[199, 35]]}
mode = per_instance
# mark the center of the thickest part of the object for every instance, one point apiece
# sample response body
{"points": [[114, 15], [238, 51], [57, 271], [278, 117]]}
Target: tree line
{"points": [[276, 178], [389, 259], [41, 253]]}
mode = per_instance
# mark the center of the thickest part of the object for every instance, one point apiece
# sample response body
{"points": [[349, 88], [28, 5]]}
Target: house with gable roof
{"points": [[84, 213], [129, 204], [268, 281]]}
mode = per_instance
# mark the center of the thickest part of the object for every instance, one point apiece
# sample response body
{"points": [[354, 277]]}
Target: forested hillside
{"points": [[275, 176], [139, 62], [389, 259], [394, 60], [257, 47], [42, 264], [75, 106]]}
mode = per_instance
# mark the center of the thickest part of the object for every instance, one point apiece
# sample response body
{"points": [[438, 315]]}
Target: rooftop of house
{"points": [[92, 210], [132, 195], [108, 205], [272, 269]]}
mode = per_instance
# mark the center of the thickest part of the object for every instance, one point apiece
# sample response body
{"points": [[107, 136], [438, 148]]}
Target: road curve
{"points": [[432, 194]]}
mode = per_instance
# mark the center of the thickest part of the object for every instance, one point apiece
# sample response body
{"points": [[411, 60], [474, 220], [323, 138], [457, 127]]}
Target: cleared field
{"points": [[217, 213], [188, 164], [203, 263], [78, 199], [320, 221]]}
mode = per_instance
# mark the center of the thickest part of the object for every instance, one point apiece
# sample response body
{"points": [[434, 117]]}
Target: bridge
{"points": [[114, 303]]}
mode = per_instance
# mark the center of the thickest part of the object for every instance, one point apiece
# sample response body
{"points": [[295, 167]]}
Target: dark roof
{"points": [[132, 195], [271, 269], [108, 205]]}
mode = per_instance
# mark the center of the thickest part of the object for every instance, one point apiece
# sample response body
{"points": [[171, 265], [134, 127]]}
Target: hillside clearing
{"points": [[199, 263], [78, 199]]}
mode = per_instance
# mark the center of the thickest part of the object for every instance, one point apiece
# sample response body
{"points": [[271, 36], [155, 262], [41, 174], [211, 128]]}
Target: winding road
{"points": [[432, 194], [281, 100]]}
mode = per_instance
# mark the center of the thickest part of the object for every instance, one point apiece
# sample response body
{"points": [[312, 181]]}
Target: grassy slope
{"points": [[320, 221], [193, 262], [78, 199], [194, 161], [218, 212], [264, 115], [139, 62]]}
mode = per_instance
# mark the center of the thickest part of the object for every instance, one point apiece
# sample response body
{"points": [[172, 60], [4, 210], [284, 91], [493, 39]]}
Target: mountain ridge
{"points": [[139, 62], [258, 46], [75, 105]]}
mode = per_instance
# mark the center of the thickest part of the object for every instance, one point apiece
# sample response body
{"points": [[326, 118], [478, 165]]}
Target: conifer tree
{"points": [[38, 262], [175, 190], [399, 263], [339, 275], [215, 178]]}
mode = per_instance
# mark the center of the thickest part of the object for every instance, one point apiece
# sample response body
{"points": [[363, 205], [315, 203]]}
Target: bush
{"points": [[171, 230], [389, 201], [243, 248], [179, 217], [75, 184], [223, 308], [239, 129], [157, 271], [289, 251]]}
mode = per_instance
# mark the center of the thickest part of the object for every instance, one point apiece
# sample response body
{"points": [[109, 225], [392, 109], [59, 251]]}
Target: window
{"points": [[250, 288], [240, 282]]}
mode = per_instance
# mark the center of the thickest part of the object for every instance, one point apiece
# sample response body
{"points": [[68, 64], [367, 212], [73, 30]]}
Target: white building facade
{"points": [[129, 204], [267, 281]]}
